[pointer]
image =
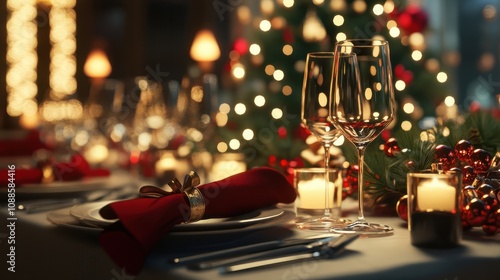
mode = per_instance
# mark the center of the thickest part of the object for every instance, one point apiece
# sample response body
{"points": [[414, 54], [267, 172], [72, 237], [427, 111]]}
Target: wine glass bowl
{"points": [[362, 106], [316, 90]]}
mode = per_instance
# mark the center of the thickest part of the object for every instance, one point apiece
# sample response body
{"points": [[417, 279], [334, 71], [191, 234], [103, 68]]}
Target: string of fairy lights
{"points": [[22, 59], [314, 31]]}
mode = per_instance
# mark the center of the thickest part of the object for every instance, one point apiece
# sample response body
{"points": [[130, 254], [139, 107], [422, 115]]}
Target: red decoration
{"points": [[480, 160], [285, 166], [446, 156], [490, 225], [490, 201], [288, 35], [391, 147], [402, 74], [402, 207], [282, 132], [412, 19], [469, 193], [475, 212], [481, 180], [484, 189], [463, 150], [241, 46], [351, 180], [468, 175], [301, 132]]}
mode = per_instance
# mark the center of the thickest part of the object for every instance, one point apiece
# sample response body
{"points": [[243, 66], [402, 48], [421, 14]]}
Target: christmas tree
{"points": [[265, 69]]}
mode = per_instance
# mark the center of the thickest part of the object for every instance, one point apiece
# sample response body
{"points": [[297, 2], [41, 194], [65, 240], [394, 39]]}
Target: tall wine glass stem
{"points": [[326, 147], [361, 183]]}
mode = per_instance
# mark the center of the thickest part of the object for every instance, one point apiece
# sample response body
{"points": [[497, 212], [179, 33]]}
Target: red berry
{"points": [[391, 147]]}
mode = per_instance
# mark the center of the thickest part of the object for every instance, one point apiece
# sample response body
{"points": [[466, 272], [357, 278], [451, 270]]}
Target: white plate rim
{"points": [[89, 213]]}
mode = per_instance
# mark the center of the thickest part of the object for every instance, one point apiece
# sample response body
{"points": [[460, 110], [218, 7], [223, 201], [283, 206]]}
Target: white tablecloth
{"points": [[46, 251]]}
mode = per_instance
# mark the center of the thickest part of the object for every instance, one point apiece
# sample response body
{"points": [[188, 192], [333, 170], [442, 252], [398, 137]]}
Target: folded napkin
{"points": [[75, 169], [22, 146], [144, 221]]}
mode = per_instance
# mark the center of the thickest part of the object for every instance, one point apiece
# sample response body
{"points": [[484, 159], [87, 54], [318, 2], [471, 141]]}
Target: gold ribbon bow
{"points": [[196, 200]]}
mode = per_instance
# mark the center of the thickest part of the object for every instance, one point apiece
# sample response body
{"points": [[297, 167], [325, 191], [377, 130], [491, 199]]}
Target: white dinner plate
{"points": [[88, 213], [63, 218]]}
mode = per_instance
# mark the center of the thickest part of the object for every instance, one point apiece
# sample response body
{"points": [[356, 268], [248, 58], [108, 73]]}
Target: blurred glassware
{"points": [[59, 122], [196, 108]]}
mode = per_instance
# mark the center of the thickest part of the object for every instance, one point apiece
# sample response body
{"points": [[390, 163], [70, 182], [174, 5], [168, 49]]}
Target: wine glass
{"points": [[314, 114], [362, 106]]}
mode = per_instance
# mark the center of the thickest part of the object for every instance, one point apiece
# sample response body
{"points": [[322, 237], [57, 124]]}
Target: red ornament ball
{"points": [[469, 193], [391, 147], [402, 207], [496, 214], [484, 189], [463, 150], [445, 155], [475, 212], [480, 160], [490, 226], [412, 19], [490, 201], [468, 175], [493, 174], [489, 229]]}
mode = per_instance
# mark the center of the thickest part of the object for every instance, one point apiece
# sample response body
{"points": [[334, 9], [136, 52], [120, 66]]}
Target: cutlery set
{"points": [[271, 253]]}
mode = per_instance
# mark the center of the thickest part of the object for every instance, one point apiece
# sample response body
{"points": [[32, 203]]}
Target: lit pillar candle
{"points": [[312, 194], [436, 195], [434, 212]]}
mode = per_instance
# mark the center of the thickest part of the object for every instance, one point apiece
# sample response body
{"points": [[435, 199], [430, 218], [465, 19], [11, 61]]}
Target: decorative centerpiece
{"points": [[469, 147]]}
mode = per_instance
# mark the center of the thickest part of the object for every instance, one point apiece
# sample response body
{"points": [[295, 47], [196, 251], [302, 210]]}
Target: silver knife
{"points": [[295, 249], [326, 251], [246, 249]]}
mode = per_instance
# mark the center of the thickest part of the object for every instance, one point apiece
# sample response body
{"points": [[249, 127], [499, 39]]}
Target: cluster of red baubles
{"points": [[481, 181]]}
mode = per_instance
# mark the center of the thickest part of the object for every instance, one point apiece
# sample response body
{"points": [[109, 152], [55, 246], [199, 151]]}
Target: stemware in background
{"points": [[314, 114], [197, 105], [362, 105]]}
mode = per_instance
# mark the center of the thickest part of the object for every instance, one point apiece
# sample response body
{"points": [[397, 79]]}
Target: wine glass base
{"points": [[365, 229], [322, 224]]}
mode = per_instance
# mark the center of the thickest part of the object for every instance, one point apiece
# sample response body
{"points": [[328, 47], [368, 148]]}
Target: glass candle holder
{"points": [[434, 209], [310, 186]]}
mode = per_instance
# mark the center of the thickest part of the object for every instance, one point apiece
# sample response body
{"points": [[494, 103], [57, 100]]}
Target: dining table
{"points": [[36, 248]]}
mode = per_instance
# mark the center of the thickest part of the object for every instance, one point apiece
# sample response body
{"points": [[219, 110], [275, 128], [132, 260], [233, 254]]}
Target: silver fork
{"points": [[122, 192]]}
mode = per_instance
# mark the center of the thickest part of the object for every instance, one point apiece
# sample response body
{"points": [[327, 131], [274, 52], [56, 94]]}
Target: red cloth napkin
{"points": [[24, 146], [77, 168], [144, 221]]}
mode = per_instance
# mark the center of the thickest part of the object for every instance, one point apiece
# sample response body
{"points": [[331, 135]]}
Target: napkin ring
{"points": [[196, 204], [193, 194]]}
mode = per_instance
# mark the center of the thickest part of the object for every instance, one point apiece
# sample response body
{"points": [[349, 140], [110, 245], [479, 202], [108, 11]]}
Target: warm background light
{"points": [[205, 47], [97, 65]]}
